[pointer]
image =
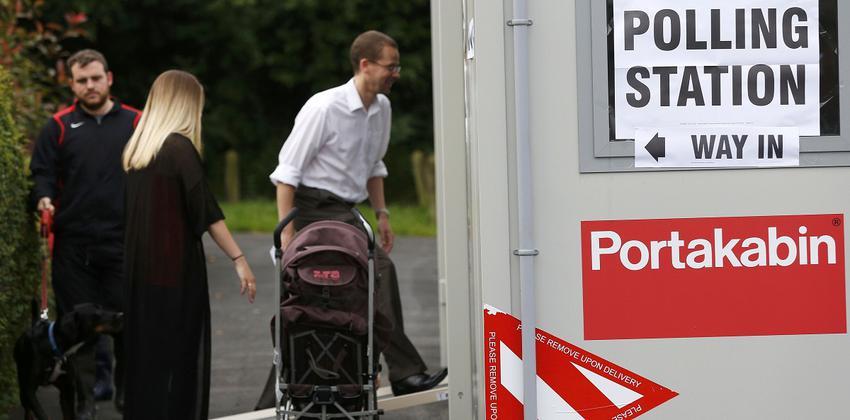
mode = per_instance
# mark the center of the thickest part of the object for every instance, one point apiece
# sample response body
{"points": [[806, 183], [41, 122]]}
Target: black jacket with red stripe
{"points": [[77, 163]]}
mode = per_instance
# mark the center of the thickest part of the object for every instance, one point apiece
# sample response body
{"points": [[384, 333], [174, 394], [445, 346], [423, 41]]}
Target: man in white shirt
{"points": [[332, 160]]}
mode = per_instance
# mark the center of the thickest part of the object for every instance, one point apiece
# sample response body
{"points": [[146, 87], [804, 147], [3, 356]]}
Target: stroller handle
{"points": [[289, 217], [366, 226]]}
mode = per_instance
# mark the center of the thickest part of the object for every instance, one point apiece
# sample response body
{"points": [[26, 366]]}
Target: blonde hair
{"points": [[174, 105]]}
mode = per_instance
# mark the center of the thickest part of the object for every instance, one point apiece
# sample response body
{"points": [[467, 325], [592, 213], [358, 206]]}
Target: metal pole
{"points": [[278, 256], [525, 220], [370, 234], [371, 317], [277, 326]]}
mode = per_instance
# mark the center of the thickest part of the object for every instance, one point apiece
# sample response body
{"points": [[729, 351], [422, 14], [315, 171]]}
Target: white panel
{"points": [[489, 159], [782, 377], [456, 338]]}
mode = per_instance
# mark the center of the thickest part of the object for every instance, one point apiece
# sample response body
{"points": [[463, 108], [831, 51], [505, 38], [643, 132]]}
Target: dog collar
{"points": [[53, 345]]}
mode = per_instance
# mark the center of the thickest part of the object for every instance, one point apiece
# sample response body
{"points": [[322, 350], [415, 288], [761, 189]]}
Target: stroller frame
{"points": [[323, 395]]}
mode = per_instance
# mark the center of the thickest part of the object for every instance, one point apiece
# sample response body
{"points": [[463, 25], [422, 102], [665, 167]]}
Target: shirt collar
{"points": [[352, 98]]}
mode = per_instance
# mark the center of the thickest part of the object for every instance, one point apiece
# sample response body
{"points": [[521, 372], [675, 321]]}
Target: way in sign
{"points": [[713, 146], [717, 146]]}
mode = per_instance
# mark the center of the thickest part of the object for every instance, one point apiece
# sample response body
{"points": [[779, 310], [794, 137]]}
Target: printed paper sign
{"points": [[749, 62], [571, 382], [705, 277], [710, 146]]}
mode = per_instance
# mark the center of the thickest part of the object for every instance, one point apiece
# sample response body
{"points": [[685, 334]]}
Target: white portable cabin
{"points": [[538, 179]]}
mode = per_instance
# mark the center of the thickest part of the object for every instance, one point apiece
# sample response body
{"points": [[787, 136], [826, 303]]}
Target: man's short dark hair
{"points": [[369, 45], [84, 57]]}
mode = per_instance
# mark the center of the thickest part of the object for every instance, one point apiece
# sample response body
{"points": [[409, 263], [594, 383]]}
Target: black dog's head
{"points": [[87, 320], [82, 324]]}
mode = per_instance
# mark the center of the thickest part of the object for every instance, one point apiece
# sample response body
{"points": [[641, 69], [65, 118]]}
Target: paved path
{"points": [[241, 344]]}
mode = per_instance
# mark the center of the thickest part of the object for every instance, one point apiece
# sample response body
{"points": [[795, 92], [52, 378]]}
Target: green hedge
{"points": [[19, 244]]}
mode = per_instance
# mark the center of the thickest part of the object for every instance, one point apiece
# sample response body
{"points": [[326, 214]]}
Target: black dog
{"points": [[44, 354]]}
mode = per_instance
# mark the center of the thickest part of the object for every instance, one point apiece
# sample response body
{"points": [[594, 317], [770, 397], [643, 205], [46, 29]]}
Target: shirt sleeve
{"points": [[302, 145], [43, 165], [379, 169], [202, 209]]}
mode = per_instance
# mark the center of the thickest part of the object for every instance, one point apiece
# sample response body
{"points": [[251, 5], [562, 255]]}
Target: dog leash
{"points": [[47, 236], [61, 358]]}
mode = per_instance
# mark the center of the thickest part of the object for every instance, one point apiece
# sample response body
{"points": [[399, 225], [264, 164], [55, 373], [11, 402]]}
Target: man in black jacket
{"points": [[78, 177]]}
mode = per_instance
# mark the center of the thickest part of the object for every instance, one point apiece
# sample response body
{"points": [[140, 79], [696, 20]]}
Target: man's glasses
{"points": [[392, 68]]}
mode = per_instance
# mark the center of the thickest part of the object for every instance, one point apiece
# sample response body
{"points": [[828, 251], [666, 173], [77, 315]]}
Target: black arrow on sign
{"points": [[655, 147]]}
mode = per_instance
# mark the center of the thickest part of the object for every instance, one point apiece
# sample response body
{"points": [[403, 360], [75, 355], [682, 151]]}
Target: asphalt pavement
{"points": [[241, 342]]}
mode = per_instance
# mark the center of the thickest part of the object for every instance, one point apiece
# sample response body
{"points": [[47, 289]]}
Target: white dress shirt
{"points": [[336, 144]]}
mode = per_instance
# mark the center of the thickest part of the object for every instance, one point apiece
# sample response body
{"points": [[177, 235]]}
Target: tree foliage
{"points": [[31, 50], [19, 248], [31, 87], [260, 60]]}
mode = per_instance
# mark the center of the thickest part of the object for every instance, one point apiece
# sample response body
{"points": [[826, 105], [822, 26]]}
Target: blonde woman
{"points": [[169, 207]]}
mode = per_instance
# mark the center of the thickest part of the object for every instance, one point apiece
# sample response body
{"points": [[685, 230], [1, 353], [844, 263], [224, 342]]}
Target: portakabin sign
{"points": [[719, 276], [747, 62]]}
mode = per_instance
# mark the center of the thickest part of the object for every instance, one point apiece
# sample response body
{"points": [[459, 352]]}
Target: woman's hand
{"points": [[248, 283], [222, 237]]}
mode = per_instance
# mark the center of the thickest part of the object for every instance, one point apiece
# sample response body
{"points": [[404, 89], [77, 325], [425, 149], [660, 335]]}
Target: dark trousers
{"points": [[402, 357], [84, 271]]}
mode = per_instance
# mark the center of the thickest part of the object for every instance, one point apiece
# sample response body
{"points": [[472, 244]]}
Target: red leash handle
{"points": [[46, 223], [47, 236]]}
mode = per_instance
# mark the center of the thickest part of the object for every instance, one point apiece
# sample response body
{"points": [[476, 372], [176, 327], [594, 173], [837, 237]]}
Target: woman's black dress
{"points": [[169, 207]]}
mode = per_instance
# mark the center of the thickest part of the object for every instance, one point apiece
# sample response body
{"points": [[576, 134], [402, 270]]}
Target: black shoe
{"points": [[419, 382]]}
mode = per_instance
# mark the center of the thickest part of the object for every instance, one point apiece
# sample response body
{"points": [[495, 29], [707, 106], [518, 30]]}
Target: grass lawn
{"points": [[261, 216]]}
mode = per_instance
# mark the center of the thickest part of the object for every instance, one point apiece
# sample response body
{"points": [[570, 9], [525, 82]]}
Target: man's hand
{"points": [[385, 232], [286, 236], [46, 204], [375, 187]]}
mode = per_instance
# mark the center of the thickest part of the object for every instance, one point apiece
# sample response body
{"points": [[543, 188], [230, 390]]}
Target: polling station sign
{"points": [[690, 62], [708, 277]]}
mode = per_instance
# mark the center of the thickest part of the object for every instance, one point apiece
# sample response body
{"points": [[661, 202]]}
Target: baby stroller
{"points": [[324, 357]]}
